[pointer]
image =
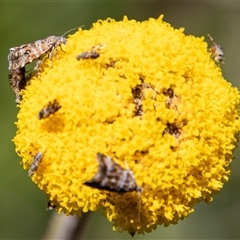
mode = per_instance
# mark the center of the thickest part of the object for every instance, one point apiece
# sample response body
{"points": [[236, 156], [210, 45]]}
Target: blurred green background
{"points": [[22, 204]]}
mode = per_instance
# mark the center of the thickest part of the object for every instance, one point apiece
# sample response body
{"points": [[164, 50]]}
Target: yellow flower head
{"points": [[147, 96]]}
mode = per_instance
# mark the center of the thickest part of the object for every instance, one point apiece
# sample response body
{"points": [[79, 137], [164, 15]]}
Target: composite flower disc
{"points": [[150, 98]]}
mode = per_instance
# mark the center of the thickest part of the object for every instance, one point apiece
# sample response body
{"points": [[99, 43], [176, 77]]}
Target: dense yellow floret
{"points": [[153, 98]]}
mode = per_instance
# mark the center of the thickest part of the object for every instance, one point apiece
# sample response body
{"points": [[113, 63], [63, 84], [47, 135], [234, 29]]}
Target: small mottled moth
{"points": [[50, 206], [92, 53], [216, 51], [20, 56], [51, 108], [112, 177], [35, 163]]}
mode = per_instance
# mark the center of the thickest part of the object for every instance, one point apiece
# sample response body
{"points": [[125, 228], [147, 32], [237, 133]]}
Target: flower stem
{"points": [[66, 227]]}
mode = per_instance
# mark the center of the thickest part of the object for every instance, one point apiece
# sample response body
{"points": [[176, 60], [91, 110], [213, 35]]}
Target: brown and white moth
{"points": [[35, 163], [112, 177], [20, 56], [216, 51], [92, 53], [50, 206], [51, 108]]}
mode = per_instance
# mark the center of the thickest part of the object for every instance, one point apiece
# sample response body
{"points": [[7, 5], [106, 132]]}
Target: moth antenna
{"points": [[210, 37], [72, 30]]}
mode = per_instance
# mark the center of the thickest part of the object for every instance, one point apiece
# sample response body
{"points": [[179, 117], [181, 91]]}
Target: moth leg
{"points": [[51, 54], [61, 49], [37, 68]]}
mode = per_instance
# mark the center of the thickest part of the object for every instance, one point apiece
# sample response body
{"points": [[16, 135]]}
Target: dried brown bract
{"points": [[17, 82]]}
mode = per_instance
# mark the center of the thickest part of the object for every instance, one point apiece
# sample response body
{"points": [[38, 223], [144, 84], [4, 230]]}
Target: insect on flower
{"points": [[24, 54], [92, 53], [35, 163], [216, 51], [51, 108], [50, 206], [20, 56], [112, 177]]}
